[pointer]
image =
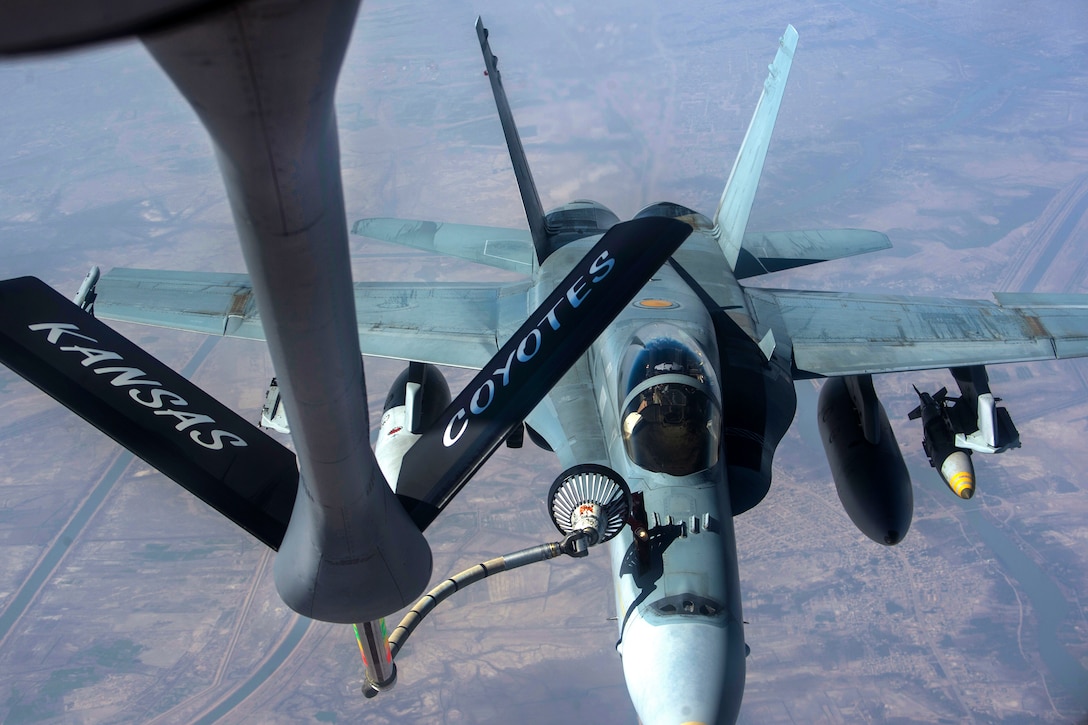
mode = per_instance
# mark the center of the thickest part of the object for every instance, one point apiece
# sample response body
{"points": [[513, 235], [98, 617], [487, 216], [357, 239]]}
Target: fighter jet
{"points": [[631, 350]]}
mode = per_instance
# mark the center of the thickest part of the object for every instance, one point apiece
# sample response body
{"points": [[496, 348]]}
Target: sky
{"points": [[960, 131]]}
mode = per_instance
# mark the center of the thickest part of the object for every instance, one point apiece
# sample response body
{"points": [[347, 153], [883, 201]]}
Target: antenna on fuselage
{"points": [[530, 198]]}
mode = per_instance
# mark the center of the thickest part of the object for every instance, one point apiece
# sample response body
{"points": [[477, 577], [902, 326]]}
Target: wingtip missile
{"points": [[84, 298]]}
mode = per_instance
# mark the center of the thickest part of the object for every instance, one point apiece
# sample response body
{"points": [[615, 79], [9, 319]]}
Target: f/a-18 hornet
{"points": [[631, 350]]}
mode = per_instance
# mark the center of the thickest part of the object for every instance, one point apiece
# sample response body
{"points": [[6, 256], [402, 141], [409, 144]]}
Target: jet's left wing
{"points": [[835, 334], [458, 324]]}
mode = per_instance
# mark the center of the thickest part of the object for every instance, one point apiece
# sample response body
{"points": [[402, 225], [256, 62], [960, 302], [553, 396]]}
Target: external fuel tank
{"points": [[871, 478]]}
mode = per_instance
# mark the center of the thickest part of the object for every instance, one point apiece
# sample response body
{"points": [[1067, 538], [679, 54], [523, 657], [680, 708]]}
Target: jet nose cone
{"points": [[891, 538], [704, 659]]}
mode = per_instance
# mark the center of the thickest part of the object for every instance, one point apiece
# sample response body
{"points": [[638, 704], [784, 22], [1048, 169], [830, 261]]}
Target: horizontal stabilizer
{"points": [[510, 249], [765, 252], [148, 408], [834, 333], [533, 359]]}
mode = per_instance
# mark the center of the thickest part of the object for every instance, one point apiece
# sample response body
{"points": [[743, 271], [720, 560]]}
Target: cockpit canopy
{"points": [[671, 412]]}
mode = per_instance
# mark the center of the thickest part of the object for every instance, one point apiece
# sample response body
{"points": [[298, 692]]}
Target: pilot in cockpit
{"points": [[671, 420]]}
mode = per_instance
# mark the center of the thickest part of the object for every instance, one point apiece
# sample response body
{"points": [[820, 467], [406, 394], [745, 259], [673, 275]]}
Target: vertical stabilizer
{"points": [[534, 212], [731, 219]]}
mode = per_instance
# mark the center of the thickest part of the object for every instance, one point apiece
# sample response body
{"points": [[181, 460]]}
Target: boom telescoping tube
{"points": [[381, 672]]}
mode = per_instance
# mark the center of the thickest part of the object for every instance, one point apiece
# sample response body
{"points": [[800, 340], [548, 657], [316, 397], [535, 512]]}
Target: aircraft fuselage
{"points": [[656, 375]]}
